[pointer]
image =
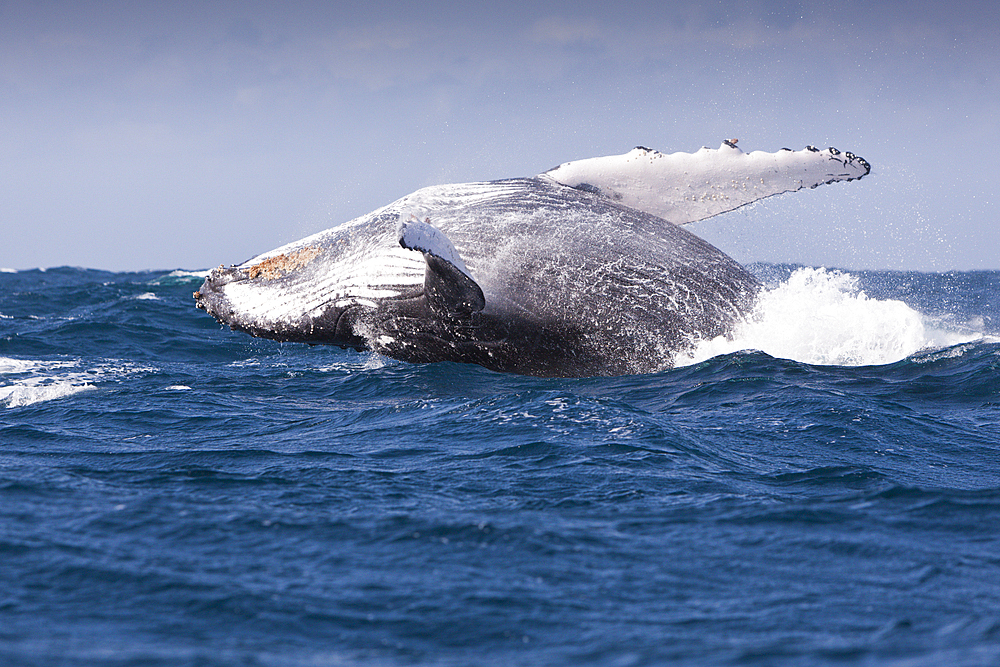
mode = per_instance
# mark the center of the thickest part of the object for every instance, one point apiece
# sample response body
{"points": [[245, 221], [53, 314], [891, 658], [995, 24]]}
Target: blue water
{"points": [[172, 493]]}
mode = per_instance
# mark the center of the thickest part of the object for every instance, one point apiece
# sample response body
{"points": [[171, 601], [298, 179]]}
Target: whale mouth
{"points": [[212, 297], [215, 299], [329, 324], [209, 296]]}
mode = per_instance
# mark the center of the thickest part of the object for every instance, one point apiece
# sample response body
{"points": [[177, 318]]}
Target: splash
{"points": [[821, 317]]}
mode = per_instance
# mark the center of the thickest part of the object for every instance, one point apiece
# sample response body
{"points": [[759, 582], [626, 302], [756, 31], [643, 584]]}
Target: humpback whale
{"points": [[583, 270]]}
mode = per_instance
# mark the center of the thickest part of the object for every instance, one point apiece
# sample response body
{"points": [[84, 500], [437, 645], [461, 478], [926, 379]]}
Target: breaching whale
{"points": [[582, 270]]}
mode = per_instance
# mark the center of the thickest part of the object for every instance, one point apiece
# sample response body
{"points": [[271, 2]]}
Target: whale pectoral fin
{"points": [[449, 287], [449, 292], [687, 187]]}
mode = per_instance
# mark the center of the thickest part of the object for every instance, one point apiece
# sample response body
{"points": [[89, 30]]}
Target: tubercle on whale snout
{"points": [[216, 279], [269, 269]]}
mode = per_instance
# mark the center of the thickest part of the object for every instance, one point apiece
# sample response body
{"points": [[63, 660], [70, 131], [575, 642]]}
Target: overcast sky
{"points": [[162, 135]]}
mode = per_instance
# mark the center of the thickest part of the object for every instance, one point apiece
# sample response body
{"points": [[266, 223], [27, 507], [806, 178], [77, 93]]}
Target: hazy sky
{"points": [[161, 135]]}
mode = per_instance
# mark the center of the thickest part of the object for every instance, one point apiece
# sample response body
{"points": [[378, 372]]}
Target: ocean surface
{"points": [[822, 490]]}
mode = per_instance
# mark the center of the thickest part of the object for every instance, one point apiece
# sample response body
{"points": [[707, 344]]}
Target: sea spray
{"points": [[821, 316]]}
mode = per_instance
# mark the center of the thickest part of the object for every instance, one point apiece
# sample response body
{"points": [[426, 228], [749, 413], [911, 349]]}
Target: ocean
{"points": [[824, 489]]}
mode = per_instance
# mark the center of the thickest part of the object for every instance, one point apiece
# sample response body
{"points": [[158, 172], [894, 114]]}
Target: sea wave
{"points": [[180, 276], [164, 477]]}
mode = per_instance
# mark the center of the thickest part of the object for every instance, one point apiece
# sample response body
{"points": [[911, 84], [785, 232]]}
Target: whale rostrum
{"points": [[582, 270]]}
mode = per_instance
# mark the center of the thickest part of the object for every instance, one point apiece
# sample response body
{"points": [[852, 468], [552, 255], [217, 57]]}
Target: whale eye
{"points": [[587, 187]]}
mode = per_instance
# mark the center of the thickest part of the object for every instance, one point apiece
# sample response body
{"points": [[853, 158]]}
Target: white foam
{"points": [[8, 366], [947, 353], [25, 382], [202, 274], [374, 361], [178, 276], [821, 317], [19, 396], [32, 381]]}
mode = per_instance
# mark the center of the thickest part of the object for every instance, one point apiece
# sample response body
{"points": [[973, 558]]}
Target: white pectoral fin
{"points": [[687, 187], [449, 287]]}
